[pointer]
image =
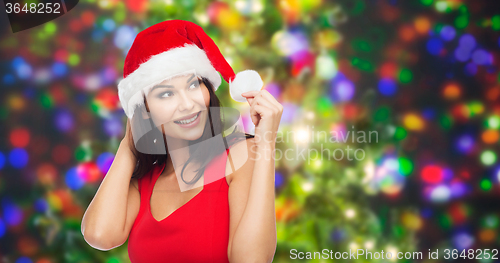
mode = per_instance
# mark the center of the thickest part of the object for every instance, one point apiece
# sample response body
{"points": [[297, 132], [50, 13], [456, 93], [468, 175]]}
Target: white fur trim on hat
{"points": [[246, 80], [161, 67]]}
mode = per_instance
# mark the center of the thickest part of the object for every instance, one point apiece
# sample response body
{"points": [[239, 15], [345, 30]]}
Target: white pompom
{"points": [[247, 80]]}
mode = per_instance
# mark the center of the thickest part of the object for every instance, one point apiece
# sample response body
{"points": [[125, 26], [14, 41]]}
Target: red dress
{"points": [[198, 231]]}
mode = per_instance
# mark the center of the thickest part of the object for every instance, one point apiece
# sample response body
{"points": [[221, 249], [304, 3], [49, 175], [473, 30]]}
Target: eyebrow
{"points": [[170, 86]]}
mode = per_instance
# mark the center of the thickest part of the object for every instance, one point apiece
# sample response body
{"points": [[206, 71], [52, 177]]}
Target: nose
{"points": [[186, 103]]}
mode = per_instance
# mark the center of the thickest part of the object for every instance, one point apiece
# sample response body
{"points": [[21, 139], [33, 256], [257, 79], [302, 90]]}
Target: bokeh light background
{"points": [[423, 74]]}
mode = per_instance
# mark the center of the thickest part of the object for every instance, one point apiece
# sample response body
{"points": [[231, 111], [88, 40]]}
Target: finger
{"points": [[251, 93], [271, 99], [249, 100], [264, 101], [261, 110], [254, 115]]}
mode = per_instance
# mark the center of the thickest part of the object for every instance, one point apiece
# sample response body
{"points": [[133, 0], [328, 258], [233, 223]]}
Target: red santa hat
{"points": [[171, 48]]}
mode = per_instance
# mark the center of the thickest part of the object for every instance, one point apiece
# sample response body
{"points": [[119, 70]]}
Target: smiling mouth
{"points": [[189, 119]]}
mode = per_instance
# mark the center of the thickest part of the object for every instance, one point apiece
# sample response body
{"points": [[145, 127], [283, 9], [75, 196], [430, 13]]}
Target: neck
{"points": [[178, 151]]}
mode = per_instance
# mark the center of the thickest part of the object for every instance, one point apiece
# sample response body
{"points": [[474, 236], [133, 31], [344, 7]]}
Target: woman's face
{"points": [[180, 106]]}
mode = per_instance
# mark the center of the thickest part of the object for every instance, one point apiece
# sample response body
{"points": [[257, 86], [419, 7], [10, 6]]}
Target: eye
{"points": [[166, 94], [195, 84]]}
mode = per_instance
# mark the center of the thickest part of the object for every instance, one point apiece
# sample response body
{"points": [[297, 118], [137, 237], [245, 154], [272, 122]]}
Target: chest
{"points": [[197, 231], [167, 197], [165, 202]]}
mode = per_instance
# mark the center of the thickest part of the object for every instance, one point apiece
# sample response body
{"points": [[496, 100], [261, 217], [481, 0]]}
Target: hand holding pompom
{"points": [[265, 112]]}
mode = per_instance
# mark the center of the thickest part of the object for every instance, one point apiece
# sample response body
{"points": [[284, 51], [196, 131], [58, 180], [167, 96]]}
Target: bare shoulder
{"points": [[240, 157]]}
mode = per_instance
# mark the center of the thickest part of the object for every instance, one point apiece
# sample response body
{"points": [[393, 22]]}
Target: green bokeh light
{"points": [[73, 59], [46, 101], [462, 21], [382, 114], [405, 76], [426, 2], [50, 27], [362, 64], [400, 133], [495, 22], [493, 122], [488, 157], [405, 166], [486, 184]]}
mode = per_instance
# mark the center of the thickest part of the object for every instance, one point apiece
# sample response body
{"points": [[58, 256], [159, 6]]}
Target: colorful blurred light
{"points": [[440, 193], [448, 33], [22, 68], [341, 89], [288, 43], [248, 7], [104, 161], [462, 54], [434, 46], [432, 174], [458, 189], [274, 89], [89, 172], [113, 127], [405, 166], [490, 136], [463, 241], [387, 86], [46, 174], [481, 57], [18, 158], [493, 122], [279, 180], [124, 37], [388, 178], [488, 157], [12, 214], [73, 179], [19, 137], [467, 42], [24, 259], [2, 160], [422, 24], [452, 91], [109, 25], [3, 228], [413, 122], [471, 69], [326, 68], [64, 120]]}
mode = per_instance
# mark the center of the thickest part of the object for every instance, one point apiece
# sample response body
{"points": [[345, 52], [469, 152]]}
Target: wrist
{"points": [[265, 145], [265, 139], [125, 147]]}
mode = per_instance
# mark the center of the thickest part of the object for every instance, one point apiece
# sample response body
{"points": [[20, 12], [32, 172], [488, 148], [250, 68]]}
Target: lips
{"points": [[187, 117]]}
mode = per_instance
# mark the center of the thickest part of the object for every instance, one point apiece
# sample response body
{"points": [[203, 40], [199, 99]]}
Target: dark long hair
{"points": [[202, 153]]}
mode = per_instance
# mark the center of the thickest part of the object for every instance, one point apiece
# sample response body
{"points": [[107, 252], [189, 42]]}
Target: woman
{"points": [[219, 214]]}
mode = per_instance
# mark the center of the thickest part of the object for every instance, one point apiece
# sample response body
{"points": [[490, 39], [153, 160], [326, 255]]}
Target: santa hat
{"points": [[171, 48]]}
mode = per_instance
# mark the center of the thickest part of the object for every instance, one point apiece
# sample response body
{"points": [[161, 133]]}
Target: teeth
{"points": [[188, 120]]}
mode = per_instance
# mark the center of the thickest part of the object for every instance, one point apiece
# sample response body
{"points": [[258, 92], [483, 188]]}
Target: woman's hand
{"points": [[265, 112]]}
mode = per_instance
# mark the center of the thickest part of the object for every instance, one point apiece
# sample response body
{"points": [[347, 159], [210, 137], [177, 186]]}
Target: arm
{"points": [[251, 198], [112, 212], [251, 192]]}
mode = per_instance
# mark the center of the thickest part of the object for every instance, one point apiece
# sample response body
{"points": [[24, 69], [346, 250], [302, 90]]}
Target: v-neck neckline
{"points": [[151, 195]]}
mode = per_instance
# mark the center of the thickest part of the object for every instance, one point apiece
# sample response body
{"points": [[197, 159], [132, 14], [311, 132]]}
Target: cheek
{"points": [[206, 97], [161, 113]]}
